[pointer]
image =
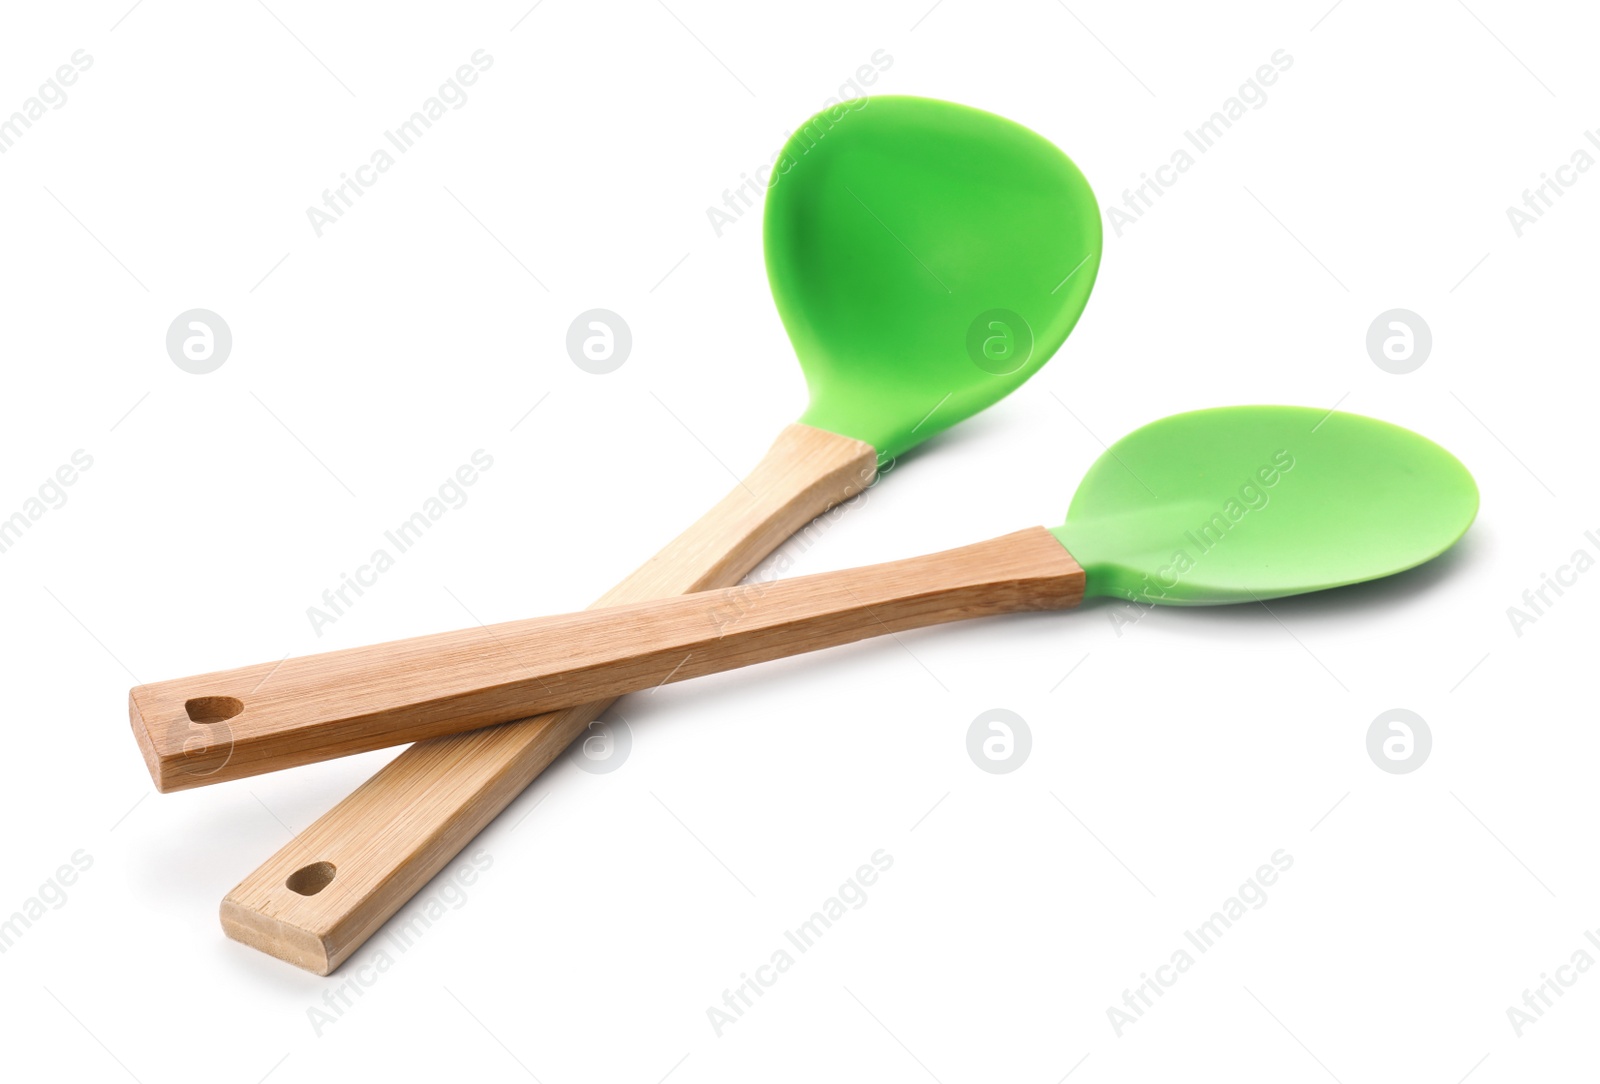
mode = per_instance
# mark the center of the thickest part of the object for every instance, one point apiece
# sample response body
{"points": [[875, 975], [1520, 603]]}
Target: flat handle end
{"points": [[291, 943], [184, 742]]}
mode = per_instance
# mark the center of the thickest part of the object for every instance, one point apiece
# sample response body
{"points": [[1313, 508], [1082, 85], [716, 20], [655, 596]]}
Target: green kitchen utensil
{"points": [[926, 259], [1217, 506]]}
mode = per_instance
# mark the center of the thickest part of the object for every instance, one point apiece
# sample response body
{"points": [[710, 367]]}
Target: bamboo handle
{"points": [[335, 884], [342, 702]]}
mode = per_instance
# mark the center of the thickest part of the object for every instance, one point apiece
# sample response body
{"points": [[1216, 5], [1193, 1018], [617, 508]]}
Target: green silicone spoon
{"points": [[1217, 506]]}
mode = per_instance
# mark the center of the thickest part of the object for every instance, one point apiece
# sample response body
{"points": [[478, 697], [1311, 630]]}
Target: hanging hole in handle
{"points": [[309, 880], [213, 709]]}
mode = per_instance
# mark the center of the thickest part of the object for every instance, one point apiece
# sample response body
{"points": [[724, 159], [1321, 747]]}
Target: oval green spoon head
{"points": [[1251, 503], [926, 259]]}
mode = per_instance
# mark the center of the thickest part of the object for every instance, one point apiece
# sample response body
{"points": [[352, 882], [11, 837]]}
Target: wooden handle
{"points": [[343, 702], [335, 884]]}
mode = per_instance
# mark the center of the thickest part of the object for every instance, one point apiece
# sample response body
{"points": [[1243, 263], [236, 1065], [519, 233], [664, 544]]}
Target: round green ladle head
{"points": [[926, 259], [1250, 503]]}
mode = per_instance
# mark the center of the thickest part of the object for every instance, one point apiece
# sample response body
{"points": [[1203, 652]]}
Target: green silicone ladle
{"points": [[926, 259]]}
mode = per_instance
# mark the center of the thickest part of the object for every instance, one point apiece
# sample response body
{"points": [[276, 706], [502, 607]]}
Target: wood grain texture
{"points": [[300, 711], [394, 833]]}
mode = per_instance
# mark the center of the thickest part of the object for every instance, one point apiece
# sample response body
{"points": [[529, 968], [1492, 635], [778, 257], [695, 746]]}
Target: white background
{"points": [[426, 323]]}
